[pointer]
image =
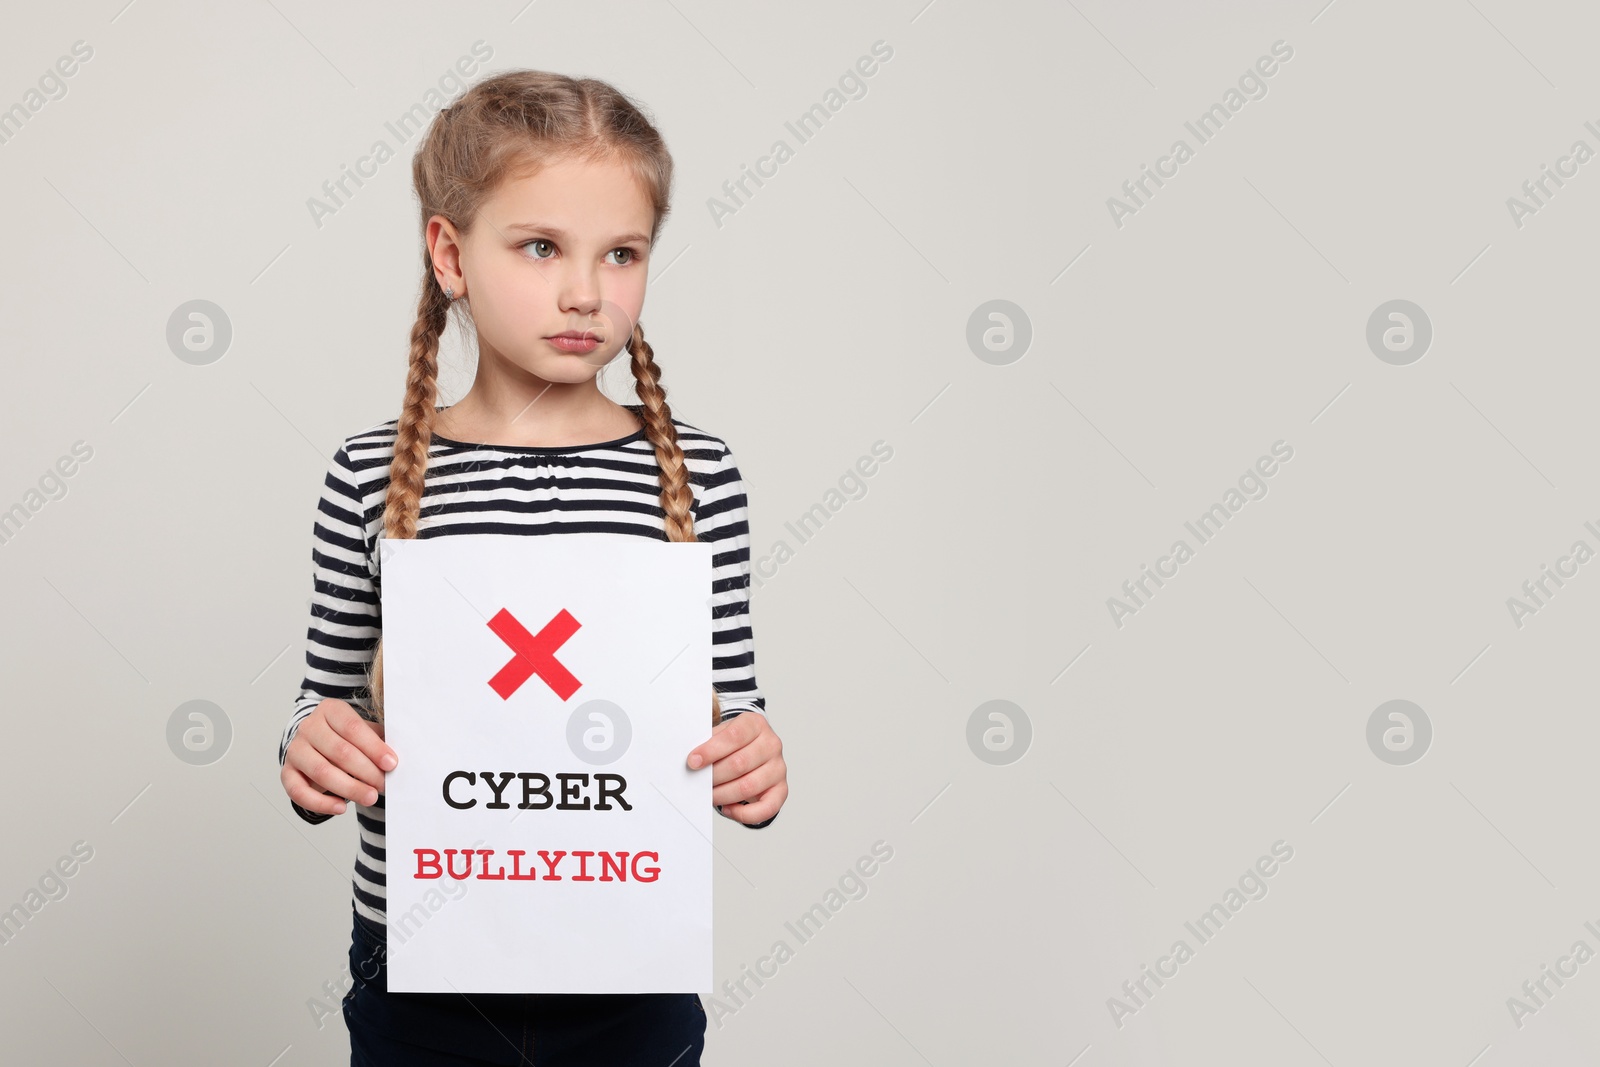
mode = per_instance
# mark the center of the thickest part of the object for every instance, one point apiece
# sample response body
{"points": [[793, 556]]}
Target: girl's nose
{"points": [[580, 291]]}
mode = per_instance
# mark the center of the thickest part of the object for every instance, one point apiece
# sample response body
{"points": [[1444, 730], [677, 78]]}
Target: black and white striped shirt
{"points": [[611, 487]]}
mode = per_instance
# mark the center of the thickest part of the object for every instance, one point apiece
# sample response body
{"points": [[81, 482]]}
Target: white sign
{"points": [[543, 693]]}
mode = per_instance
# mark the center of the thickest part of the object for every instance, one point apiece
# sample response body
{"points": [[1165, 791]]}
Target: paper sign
{"points": [[544, 833]]}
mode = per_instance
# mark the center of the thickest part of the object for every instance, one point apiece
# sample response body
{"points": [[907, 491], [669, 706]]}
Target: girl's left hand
{"points": [[749, 780]]}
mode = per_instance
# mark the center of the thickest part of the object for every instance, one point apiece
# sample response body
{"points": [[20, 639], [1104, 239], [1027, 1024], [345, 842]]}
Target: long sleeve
{"points": [[346, 619], [722, 517], [345, 614]]}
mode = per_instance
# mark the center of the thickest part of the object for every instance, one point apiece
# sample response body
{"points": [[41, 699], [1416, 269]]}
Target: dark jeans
{"points": [[514, 1029]]}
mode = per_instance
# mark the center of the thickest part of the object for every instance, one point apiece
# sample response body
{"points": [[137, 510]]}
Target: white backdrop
{"points": [[1157, 341]]}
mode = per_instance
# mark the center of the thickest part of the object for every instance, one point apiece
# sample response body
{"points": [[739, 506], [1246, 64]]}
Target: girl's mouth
{"points": [[575, 342]]}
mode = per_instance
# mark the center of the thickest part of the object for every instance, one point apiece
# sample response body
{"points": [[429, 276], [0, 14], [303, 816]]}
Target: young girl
{"points": [[542, 197]]}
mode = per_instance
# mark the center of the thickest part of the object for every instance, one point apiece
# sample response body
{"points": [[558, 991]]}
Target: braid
{"points": [[413, 435], [677, 498]]}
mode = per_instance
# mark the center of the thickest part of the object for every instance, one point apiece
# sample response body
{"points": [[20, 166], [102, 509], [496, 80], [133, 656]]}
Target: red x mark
{"points": [[535, 654]]}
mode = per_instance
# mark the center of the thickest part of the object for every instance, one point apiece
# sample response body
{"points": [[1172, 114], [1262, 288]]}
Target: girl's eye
{"points": [[630, 254]]}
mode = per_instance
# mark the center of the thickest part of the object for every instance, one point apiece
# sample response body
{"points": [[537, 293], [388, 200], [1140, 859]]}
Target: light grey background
{"points": [[829, 313]]}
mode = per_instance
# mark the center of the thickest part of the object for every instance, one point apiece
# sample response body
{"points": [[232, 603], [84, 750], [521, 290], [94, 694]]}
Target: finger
{"points": [[325, 775], [365, 735], [302, 793], [727, 736], [761, 808], [345, 752], [750, 786], [764, 749]]}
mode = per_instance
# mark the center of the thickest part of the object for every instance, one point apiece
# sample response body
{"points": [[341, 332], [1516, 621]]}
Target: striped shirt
{"points": [[611, 487]]}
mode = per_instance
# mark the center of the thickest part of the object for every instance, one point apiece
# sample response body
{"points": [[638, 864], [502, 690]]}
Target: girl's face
{"points": [[563, 250]]}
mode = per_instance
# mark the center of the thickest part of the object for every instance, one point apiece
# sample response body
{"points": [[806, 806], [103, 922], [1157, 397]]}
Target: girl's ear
{"points": [[444, 252]]}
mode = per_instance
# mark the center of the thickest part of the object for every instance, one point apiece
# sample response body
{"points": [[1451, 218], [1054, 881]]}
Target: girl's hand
{"points": [[335, 750], [748, 775]]}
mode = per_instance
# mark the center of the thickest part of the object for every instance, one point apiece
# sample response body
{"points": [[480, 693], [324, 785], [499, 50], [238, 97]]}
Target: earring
{"points": [[450, 293]]}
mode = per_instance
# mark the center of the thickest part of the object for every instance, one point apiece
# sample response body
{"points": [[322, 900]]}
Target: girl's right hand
{"points": [[335, 751]]}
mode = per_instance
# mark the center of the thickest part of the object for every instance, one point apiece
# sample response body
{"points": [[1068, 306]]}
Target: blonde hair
{"points": [[499, 129]]}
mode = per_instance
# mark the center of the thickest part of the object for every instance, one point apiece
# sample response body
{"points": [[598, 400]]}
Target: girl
{"points": [[542, 197]]}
